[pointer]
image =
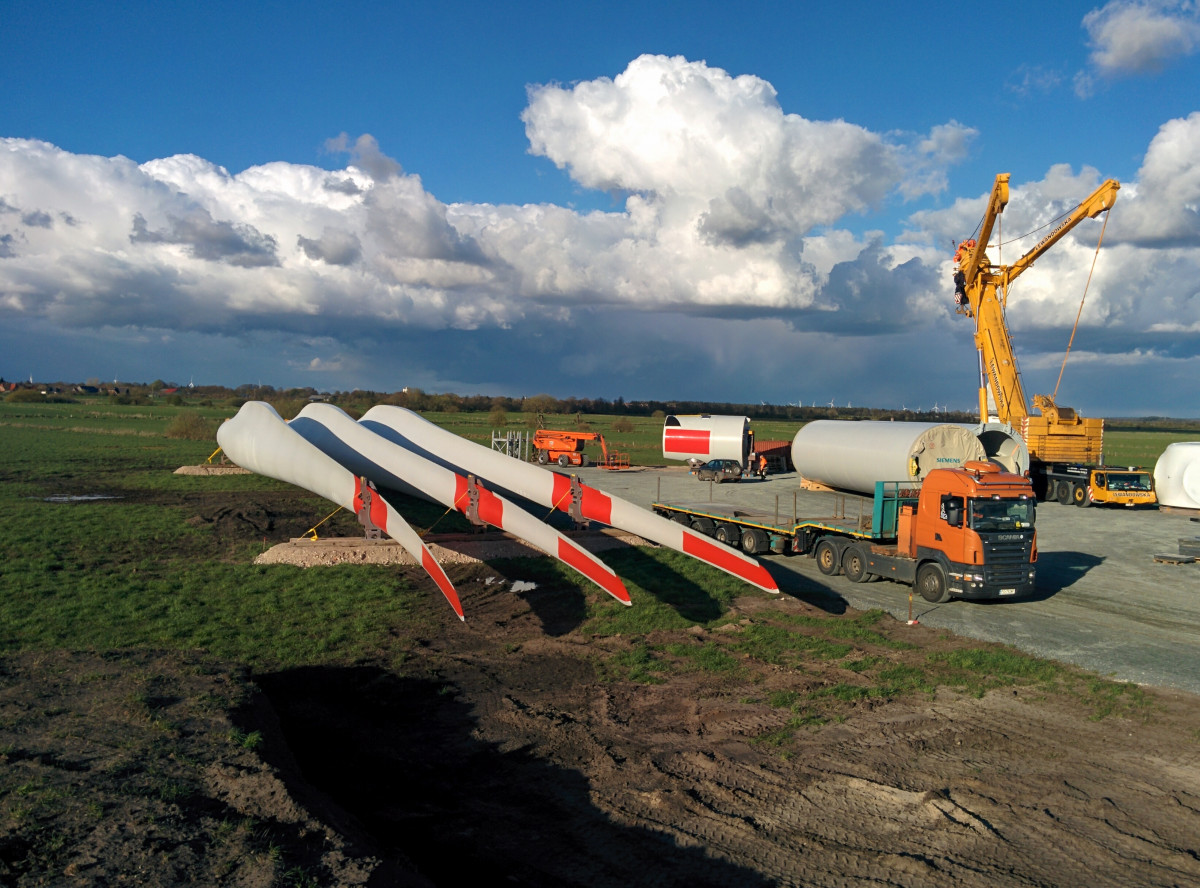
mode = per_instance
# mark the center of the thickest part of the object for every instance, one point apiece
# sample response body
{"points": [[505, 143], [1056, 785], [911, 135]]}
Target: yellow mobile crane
{"points": [[1066, 450]]}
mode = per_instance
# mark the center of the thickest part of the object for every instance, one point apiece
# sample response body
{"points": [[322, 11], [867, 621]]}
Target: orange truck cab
{"points": [[972, 534]]}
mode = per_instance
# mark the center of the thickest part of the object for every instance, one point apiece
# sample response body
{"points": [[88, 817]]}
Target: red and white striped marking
{"points": [[258, 439], [686, 442], [389, 461], [553, 490]]}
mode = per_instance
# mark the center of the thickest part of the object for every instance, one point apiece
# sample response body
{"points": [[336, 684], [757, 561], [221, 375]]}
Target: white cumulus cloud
{"points": [[730, 208], [1137, 37]]}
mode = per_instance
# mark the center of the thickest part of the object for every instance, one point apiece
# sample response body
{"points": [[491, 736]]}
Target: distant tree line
{"points": [[289, 401]]}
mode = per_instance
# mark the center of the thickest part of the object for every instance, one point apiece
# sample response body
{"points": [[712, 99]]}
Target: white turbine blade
{"points": [[553, 490], [386, 463], [258, 439]]}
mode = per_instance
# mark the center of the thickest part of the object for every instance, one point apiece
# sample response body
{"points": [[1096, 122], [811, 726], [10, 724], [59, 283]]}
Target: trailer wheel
{"points": [[1064, 492], [729, 534], [854, 565], [681, 518], [827, 558], [1079, 494], [703, 525], [754, 542], [1051, 491], [931, 583]]}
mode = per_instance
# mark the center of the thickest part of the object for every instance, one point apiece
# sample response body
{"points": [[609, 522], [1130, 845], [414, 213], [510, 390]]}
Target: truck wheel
{"points": [[1064, 492], [1079, 494], [931, 583], [1051, 491], [754, 542], [729, 534], [703, 525], [827, 558], [854, 565]]}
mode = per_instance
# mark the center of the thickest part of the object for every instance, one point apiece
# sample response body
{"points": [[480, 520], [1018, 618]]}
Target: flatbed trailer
{"points": [[965, 533]]}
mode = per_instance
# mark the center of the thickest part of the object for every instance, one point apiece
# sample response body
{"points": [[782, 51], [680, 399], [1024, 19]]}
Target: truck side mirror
{"points": [[952, 510]]}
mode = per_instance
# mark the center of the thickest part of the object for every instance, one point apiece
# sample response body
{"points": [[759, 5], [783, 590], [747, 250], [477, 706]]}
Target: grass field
{"points": [[137, 569]]}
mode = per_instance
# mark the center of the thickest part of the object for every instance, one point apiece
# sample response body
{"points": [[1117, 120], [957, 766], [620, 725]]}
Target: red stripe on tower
{"points": [[686, 440]]}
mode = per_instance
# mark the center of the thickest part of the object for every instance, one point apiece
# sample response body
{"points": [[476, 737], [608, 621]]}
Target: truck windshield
{"points": [[1001, 514], [1129, 481]]}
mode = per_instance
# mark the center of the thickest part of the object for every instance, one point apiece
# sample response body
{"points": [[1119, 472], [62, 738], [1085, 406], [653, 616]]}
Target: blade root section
{"points": [[258, 439]]}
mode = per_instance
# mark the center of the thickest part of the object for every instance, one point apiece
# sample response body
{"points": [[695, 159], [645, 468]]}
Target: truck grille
{"points": [[1006, 557]]}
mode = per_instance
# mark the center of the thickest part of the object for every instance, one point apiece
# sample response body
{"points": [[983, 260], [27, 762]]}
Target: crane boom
{"points": [[986, 291], [1066, 450]]}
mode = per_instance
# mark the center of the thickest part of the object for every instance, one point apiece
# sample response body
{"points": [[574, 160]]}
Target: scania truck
{"points": [[961, 533]]}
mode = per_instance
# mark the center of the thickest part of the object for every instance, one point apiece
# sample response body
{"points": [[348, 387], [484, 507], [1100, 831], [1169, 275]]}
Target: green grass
{"points": [[133, 571], [1141, 448]]}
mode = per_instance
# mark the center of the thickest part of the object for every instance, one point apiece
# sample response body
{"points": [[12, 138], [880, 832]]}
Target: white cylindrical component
{"points": [[554, 490], [1003, 446], [258, 439], [855, 455], [389, 465], [1177, 476], [703, 437]]}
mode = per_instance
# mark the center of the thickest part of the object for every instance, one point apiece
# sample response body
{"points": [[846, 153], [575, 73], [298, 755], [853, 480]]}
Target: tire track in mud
{"points": [[909, 804], [552, 772]]}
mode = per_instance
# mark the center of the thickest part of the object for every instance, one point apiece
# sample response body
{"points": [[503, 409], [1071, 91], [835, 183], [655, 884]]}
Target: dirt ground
{"points": [[510, 746]]}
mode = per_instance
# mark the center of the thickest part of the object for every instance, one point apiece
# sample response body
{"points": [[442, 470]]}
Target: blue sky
{"points": [[642, 200]]}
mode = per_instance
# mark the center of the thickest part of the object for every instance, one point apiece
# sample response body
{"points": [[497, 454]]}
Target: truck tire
{"points": [[729, 534], [931, 583], [854, 565], [754, 542], [1079, 494], [1051, 491], [703, 525], [826, 554], [1064, 492]]}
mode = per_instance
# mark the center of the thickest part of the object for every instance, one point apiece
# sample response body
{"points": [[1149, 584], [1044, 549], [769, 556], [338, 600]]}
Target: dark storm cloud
{"points": [[332, 247], [37, 219], [206, 238], [342, 186]]}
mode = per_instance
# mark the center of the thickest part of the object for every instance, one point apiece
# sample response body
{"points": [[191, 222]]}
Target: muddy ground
{"points": [[512, 745]]}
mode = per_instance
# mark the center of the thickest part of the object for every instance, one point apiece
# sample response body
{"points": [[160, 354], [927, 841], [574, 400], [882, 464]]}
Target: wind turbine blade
{"points": [[258, 439], [557, 491], [362, 451]]}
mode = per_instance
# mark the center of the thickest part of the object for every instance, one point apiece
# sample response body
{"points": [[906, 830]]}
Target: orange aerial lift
{"points": [[566, 449]]}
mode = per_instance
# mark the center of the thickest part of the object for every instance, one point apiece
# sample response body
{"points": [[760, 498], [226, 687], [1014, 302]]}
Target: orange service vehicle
{"points": [[566, 449], [961, 533]]}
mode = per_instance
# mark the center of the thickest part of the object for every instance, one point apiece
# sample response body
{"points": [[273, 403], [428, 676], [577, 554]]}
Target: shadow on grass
{"points": [[810, 591], [401, 756], [691, 601]]}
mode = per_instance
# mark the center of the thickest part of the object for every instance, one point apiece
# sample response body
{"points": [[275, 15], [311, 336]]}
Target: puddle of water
{"points": [[80, 498]]}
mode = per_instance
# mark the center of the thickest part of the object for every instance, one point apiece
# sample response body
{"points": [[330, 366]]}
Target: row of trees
{"points": [[290, 400]]}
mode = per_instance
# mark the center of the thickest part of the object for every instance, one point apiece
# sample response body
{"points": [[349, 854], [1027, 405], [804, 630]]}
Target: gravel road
{"points": [[1103, 603]]}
